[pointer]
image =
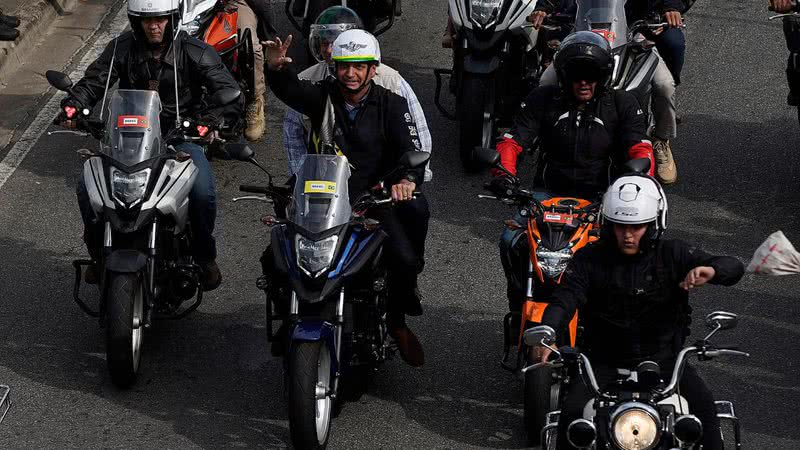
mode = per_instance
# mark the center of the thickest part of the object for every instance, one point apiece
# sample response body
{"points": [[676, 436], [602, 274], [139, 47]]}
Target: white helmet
{"points": [[356, 46], [636, 199], [140, 9]]}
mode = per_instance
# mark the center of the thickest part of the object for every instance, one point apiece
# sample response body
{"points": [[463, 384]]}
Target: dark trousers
{"points": [[691, 387], [406, 225], [791, 31], [671, 45], [202, 210]]}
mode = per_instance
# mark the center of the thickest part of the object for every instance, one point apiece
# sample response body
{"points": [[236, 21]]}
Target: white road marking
{"points": [[43, 120]]}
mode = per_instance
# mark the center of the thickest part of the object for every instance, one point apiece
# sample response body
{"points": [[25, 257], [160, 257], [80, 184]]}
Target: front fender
{"points": [[125, 261], [314, 331], [481, 65]]}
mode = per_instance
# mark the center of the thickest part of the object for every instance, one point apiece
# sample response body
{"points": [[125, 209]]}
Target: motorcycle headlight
{"points": [[635, 426], [315, 256], [553, 263], [128, 188], [485, 11]]}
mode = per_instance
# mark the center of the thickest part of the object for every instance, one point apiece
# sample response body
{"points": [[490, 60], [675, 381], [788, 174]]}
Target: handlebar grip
{"points": [[254, 189]]}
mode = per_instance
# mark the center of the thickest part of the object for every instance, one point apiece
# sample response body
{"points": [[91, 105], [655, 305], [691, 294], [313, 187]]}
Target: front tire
{"points": [[310, 404], [541, 394], [124, 327], [475, 129]]}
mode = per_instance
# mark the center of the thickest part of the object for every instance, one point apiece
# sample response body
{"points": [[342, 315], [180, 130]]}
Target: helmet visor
{"points": [[584, 70], [321, 38]]}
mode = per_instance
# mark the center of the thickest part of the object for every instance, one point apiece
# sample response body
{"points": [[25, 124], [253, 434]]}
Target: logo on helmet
{"points": [[352, 46], [626, 211]]}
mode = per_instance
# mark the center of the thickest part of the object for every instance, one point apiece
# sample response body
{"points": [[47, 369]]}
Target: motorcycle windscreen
{"points": [[133, 127], [321, 200], [604, 17]]}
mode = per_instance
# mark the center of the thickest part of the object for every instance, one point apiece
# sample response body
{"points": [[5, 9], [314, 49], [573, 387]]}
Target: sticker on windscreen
{"points": [[320, 187], [132, 121]]}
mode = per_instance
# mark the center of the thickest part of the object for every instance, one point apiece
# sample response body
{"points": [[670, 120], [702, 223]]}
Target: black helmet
{"points": [[329, 25], [584, 55]]}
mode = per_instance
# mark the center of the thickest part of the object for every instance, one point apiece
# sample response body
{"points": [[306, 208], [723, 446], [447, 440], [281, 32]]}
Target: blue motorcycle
{"points": [[334, 332]]}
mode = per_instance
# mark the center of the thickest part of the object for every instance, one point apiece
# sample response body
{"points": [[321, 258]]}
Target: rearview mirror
{"points": [[239, 152], [225, 97], [638, 165], [486, 156], [413, 159], [58, 80], [538, 334], [721, 320]]}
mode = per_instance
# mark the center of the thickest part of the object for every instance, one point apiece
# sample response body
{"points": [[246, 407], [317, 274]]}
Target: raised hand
{"points": [[698, 277], [275, 53]]}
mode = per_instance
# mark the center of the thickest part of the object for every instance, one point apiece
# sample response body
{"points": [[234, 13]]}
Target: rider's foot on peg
{"points": [[408, 345], [212, 277]]}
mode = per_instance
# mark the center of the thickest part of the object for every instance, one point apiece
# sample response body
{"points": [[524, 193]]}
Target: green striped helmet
{"points": [[356, 46]]}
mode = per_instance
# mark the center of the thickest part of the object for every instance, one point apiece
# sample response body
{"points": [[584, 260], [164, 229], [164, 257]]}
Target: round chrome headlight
{"points": [[635, 426]]}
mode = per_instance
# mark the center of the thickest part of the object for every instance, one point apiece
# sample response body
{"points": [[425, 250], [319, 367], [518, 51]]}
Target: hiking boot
{"points": [[8, 33], [255, 120], [408, 345], [666, 171], [212, 277], [9, 21]]}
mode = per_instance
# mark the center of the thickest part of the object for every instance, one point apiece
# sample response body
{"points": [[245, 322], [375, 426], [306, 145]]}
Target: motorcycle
{"points": [[138, 189], [378, 15], [639, 410], [215, 23], [331, 253], [494, 65], [556, 229]]}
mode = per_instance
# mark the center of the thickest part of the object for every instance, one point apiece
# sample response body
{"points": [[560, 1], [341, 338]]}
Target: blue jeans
{"points": [[202, 209], [671, 45]]}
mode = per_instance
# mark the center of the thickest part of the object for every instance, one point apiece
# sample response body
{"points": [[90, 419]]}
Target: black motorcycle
{"points": [[333, 334], [639, 410]]}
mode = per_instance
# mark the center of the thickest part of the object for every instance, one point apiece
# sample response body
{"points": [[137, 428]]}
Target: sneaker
{"points": [[255, 120], [409, 346], [8, 33], [212, 277], [666, 171]]}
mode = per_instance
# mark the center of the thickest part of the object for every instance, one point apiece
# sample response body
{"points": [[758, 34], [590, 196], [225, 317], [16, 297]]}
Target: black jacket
{"points": [[576, 155], [634, 9], [199, 67], [383, 129], [631, 307]]}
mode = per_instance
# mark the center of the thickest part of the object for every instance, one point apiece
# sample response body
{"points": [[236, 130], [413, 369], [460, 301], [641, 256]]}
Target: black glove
{"points": [[70, 110], [502, 186]]}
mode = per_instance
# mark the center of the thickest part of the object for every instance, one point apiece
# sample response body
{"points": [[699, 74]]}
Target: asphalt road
{"points": [[208, 380]]}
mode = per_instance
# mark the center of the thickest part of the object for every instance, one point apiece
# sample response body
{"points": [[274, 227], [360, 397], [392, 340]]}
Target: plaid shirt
{"points": [[295, 126]]}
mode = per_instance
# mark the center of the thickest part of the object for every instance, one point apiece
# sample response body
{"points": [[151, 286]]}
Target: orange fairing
{"points": [[222, 31], [533, 311]]}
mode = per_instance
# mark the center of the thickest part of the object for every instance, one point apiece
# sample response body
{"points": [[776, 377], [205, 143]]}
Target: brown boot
{"points": [[408, 345], [255, 120], [666, 171], [212, 277]]}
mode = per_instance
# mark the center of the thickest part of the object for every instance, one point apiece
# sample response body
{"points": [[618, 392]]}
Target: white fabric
{"points": [[776, 256]]}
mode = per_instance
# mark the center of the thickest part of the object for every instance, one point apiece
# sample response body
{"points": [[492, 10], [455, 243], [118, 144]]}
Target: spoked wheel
{"points": [[124, 327], [310, 388], [541, 397]]}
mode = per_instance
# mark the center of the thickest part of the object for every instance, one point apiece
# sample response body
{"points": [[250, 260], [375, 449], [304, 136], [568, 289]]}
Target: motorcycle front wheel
{"points": [[541, 397], [124, 326], [310, 387], [476, 130]]}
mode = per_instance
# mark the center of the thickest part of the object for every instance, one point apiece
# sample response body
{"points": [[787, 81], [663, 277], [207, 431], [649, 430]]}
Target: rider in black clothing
{"points": [[791, 31], [632, 292], [372, 126]]}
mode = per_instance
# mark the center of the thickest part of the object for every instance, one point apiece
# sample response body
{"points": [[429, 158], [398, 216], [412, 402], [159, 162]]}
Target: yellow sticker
{"points": [[320, 187]]}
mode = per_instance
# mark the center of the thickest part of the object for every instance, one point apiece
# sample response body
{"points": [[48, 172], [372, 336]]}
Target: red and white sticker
{"points": [[558, 218], [610, 36], [132, 121]]}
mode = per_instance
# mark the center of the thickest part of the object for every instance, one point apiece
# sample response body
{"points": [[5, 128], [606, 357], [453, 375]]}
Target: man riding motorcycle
{"points": [[671, 46], [329, 25], [373, 127], [632, 292], [791, 31], [583, 129], [146, 58]]}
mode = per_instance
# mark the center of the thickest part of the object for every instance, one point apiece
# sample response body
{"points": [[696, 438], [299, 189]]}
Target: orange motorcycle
{"points": [[555, 228], [216, 23]]}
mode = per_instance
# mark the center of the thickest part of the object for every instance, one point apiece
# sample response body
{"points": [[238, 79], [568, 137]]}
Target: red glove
{"points": [[508, 150], [642, 149]]}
